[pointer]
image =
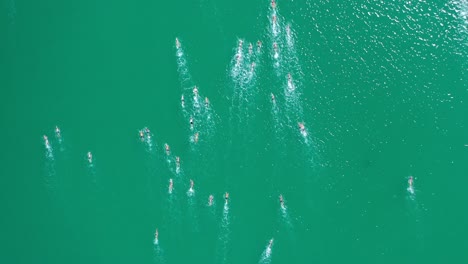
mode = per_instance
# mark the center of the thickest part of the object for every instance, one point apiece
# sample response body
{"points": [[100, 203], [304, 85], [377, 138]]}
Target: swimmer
{"points": [[142, 136], [195, 91], [46, 141], [177, 43], [271, 243], [191, 122], [273, 98], [168, 150], [301, 127], [281, 201], [57, 132], [238, 59], [290, 82], [252, 67], [273, 18], [90, 157], [182, 101], [195, 137], [275, 47], [250, 48], [156, 235], [207, 102], [410, 182], [191, 186], [273, 4], [226, 197], [177, 160], [171, 185], [259, 44], [210, 200]]}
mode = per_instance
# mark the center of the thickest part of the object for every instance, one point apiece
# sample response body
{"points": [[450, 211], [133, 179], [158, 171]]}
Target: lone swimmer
{"points": [[57, 132], [177, 43], [226, 197], [142, 135], [301, 127], [156, 235], [171, 185], [195, 138], [281, 200], [207, 102], [273, 99], [191, 122], [410, 182], [182, 101], [90, 157], [191, 186], [210, 200], [168, 150]]}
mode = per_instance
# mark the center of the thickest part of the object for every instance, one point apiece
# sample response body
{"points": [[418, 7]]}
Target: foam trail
{"points": [[274, 33], [59, 138], [266, 255], [224, 234], [50, 179], [182, 68], [178, 169], [277, 59], [49, 152], [291, 58], [286, 219], [192, 212], [294, 110], [209, 118], [237, 60], [275, 26], [278, 126], [410, 189], [171, 186], [289, 37], [159, 253]]}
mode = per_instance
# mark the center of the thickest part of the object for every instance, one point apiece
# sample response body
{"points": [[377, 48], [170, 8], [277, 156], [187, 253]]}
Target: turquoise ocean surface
{"points": [[380, 88]]}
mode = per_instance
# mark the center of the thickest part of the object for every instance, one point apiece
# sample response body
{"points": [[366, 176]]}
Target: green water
{"points": [[380, 86]]}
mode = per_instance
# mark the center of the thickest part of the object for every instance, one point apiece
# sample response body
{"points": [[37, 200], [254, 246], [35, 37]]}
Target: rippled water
{"points": [[378, 86]]}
